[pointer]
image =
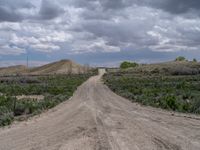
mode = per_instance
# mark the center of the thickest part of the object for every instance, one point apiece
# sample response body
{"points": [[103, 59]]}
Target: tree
{"points": [[180, 58], [126, 64]]}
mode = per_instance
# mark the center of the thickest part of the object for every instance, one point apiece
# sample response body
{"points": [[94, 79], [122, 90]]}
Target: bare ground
{"points": [[97, 119]]}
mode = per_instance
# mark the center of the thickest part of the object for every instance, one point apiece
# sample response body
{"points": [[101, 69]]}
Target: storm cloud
{"points": [[100, 27], [50, 10], [9, 10], [176, 6]]}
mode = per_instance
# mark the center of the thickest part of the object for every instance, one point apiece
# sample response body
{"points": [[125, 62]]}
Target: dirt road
{"points": [[97, 119]]}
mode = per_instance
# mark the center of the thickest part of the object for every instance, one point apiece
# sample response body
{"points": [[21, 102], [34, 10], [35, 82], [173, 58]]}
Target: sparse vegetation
{"points": [[158, 88], [126, 64], [168, 68], [55, 88]]}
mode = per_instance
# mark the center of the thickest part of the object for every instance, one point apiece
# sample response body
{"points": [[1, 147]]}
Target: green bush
{"points": [[6, 116], [126, 64], [180, 58], [194, 60], [25, 107], [171, 102], [6, 119]]}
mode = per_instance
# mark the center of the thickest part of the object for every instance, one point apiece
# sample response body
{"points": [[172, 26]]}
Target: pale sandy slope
{"points": [[97, 119]]}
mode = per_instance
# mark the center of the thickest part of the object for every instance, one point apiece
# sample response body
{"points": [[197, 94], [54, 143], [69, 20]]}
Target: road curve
{"points": [[97, 119]]}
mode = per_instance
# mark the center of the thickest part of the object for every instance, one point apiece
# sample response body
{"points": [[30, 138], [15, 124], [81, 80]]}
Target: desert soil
{"points": [[97, 119]]}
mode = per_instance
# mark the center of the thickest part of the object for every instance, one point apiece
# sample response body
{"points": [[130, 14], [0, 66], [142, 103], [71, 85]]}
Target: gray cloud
{"points": [[176, 6], [20, 10], [7, 14], [9, 10], [49, 10], [171, 6], [100, 26], [115, 4], [16, 4], [104, 4]]}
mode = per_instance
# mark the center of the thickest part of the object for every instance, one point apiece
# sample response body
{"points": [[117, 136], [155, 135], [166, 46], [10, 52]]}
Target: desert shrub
{"points": [[184, 71], [48, 103], [180, 58], [171, 102], [6, 116], [186, 107], [26, 107], [6, 119], [196, 106], [126, 64], [156, 70], [7, 101], [55, 88], [178, 93]]}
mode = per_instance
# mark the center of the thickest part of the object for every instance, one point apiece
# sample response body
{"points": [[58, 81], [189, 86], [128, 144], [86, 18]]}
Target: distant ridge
{"points": [[13, 70], [60, 67], [172, 68]]}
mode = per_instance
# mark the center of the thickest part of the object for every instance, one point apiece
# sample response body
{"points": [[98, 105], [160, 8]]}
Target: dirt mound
{"points": [[20, 69]]}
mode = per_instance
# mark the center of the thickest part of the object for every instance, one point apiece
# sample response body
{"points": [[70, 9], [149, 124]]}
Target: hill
{"points": [[59, 67], [20, 69], [171, 68], [167, 68]]}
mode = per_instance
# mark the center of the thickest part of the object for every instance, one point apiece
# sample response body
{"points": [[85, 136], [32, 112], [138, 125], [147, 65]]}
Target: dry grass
{"points": [[30, 97]]}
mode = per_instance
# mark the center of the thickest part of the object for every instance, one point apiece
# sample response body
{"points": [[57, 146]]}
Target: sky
{"points": [[98, 32]]}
